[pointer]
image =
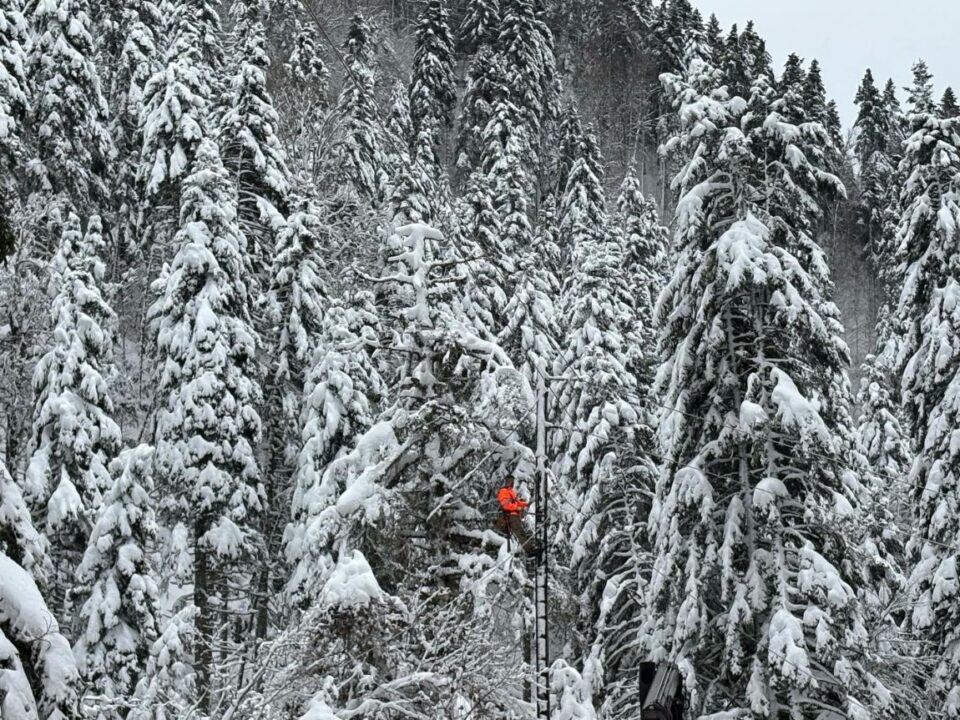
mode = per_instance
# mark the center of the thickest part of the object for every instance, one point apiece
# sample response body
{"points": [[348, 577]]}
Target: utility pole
{"points": [[542, 492]]}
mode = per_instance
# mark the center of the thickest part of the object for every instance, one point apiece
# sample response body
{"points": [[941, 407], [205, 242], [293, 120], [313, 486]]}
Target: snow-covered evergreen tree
{"points": [[207, 426], [359, 156], [920, 93], [74, 434], [927, 247], [176, 104], [118, 619], [645, 246], [432, 88], [39, 677], [19, 539], [526, 45], [340, 395], [756, 606], [132, 42], [14, 92], [480, 25], [601, 466], [948, 104], [251, 150], [69, 111]]}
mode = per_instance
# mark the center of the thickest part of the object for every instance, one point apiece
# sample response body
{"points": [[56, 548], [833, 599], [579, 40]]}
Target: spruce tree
{"points": [[745, 592], [176, 105], [118, 619], [432, 89], [603, 467], [476, 108], [920, 93], [251, 150], [341, 392], [948, 104], [139, 29], [359, 157], [19, 539], [926, 239], [207, 426], [69, 111], [526, 47], [74, 434], [480, 25], [14, 91], [39, 678]]}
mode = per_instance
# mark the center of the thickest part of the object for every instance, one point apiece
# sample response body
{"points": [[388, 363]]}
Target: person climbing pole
{"points": [[513, 508]]}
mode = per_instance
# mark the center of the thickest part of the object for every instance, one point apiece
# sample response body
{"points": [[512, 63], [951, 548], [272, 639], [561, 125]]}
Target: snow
{"points": [[793, 409], [319, 710], [351, 584], [767, 491]]}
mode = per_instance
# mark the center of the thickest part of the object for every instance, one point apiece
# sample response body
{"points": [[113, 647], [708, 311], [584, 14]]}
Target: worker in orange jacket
{"points": [[513, 508]]}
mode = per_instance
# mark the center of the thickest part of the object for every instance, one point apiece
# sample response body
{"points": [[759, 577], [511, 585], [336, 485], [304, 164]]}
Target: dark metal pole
{"points": [[541, 587]]}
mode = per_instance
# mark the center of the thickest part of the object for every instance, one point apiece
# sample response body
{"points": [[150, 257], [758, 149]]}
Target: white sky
{"points": [[848, 36]]}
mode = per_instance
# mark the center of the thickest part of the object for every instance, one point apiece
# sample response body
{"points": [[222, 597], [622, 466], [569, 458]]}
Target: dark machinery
{"points": [[660, 690]]}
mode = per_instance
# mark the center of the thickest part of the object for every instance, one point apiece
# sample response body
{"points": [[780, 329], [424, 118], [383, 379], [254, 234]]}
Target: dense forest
{"points": [[288, 289]]}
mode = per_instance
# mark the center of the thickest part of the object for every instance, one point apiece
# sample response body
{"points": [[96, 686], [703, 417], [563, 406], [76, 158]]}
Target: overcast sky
{"points": [[848, 36]]}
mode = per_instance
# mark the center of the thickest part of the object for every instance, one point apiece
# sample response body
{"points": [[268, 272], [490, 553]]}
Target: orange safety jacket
{"points": [[507, 497]]}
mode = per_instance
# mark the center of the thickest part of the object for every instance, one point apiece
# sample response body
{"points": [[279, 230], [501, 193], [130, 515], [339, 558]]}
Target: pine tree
{"points": [[948, 104], [745, 591], [358, 157], [251, 150], [432, 91], [14, 107], [207, 427], [927, 245], [480, 25], [340, 395], [19, 539], [137, 59], [74, 434], [526, 47], [476, 108], [118, 620], [920, 94], [69, 111], [175, 120], [39, 678], [873, 130]]}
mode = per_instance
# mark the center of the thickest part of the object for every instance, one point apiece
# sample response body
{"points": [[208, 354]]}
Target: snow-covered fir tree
{"points": [[207, 426], [19, 539], [39, 678], [69, 111], [601, 465], [174, 119], [133, 35], [927, 246], [480, 25], [118, 619], [74, 433], [340, 395], [14, 92], [432, 88], [753, 603], [359, 156], [251, 150]]}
